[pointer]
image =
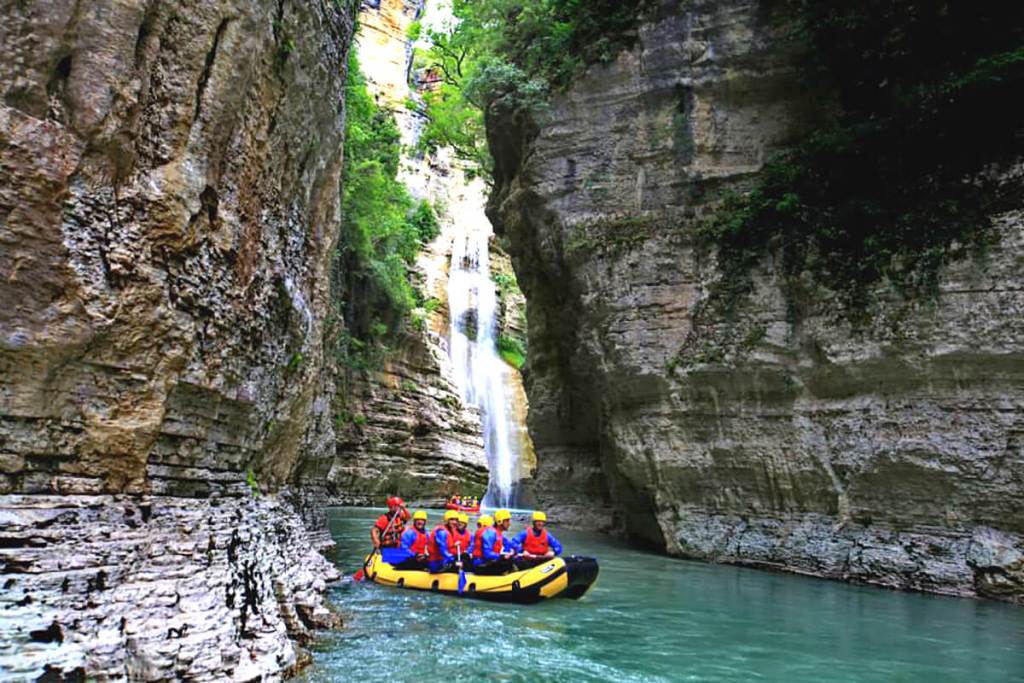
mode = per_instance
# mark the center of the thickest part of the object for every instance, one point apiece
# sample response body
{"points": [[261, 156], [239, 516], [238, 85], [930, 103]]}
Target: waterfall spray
{"points": [[479, 371]]}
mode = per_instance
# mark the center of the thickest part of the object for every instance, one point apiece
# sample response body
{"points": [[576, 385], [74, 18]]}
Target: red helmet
{"points": [[395, 502]]}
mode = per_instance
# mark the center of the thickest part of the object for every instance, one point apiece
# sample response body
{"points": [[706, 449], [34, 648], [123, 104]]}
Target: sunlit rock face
{"points": [[169, 191], [888, 453]]}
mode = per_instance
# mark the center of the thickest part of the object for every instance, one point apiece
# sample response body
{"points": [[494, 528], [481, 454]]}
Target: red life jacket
{"points": [[536, 545], [419, 546], [435, 549], [391, 539], [478, 543], [458, 541], [499, 540]]}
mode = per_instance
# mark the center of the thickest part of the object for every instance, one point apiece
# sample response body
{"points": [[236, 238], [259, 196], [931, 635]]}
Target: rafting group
{"points": [[487, 563], [463, 503]]}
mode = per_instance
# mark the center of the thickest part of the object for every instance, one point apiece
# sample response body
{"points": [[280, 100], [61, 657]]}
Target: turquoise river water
{"points": [[653, 618]]}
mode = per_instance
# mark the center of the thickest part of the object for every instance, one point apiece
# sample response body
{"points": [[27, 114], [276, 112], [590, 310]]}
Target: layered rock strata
{"points": [[160, 588], [888, 453], [169, 193]]}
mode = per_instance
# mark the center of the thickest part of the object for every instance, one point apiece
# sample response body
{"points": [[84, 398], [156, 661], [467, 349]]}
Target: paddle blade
{"points": [[462, 582], [358, 576]]}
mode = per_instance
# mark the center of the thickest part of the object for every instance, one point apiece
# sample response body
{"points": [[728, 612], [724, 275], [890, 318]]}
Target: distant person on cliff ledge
{"points": [[385, 533], [536, 544], [496, 552], [414, 543]]}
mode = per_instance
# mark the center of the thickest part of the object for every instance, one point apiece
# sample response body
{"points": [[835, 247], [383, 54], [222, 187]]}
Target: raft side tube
{"points": [[558, 577], [582, 573]]}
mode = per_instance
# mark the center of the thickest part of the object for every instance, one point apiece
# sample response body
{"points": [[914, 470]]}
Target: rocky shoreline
{"points": [[148, 588]]}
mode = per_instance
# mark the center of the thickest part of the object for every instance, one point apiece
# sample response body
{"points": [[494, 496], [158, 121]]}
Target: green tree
{"points": [[382, 227]]}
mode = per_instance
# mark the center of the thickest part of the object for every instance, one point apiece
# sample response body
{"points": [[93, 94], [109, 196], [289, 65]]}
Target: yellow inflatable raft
{"points": [[561, 577]]}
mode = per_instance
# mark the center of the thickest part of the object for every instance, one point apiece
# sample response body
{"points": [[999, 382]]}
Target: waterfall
{"points": [[479, 370]]}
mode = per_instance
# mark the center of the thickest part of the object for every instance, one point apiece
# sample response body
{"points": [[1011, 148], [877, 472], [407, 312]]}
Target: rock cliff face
{"points": [[169, 195], [889, 453]]}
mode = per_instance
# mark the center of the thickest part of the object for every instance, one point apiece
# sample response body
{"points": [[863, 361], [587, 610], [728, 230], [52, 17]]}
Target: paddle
{"points": [[462, 572], [361, 574]]}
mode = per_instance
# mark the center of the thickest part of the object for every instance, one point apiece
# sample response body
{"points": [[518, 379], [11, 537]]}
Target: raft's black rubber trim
{"points": [[582, 574]]}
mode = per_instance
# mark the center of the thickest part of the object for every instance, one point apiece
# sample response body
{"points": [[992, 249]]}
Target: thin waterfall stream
{"points": [[479, 371]]}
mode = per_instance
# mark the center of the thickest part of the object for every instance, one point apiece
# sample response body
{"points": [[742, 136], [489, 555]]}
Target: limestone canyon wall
{"points": [[169, 203], [888, 454]]}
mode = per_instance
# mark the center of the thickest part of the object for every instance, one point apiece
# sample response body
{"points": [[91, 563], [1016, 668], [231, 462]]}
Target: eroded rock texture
{"points": [[889, 453], [114, 587], [168, 206]]}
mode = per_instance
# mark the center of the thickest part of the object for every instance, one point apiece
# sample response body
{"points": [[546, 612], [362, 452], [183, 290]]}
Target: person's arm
{"points": [[442, 545], [556, 547], [408, 538], [517, 541], [375, 536], [488, 545], [470, 545], [512, 544]]}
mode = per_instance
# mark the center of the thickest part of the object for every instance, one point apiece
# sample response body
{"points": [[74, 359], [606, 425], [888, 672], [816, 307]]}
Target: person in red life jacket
{"points": [[496, 552], [385, 533], [414, 543], [475, 544], [460, 542], [440, 551], [536, 544]]}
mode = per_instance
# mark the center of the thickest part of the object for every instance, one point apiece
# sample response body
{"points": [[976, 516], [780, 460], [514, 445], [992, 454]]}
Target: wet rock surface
{"points": [[887, 452], [169, 194], [157, 588]]}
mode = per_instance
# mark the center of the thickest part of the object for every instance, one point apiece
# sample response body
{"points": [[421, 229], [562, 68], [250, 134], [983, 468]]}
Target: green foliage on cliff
{"points": [[554, 39], [902, 179], [513, 51], [382, 227], [424, 220], [506, 283], [512, 351]]}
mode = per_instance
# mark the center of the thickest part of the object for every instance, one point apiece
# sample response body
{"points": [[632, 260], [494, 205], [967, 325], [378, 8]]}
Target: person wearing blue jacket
{"points": [[413, 543], [441, 547], [536, 544], [495, 551]]}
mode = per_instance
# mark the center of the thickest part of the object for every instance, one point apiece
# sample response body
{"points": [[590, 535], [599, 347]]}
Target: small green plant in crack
{"points": [[251, 481]]}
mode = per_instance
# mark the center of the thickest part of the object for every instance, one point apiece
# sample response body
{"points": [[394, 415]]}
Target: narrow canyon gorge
{"points": [[195, 365]]}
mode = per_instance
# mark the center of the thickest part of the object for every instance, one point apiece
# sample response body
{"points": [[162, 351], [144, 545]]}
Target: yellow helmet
{"points": [[419, 514], [539, 516], [501, 515], [485, 520], [464, 518], [451, 514]]}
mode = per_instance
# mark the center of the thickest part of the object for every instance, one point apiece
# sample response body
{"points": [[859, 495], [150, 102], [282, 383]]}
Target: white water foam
{"points": [[479, 370]]}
